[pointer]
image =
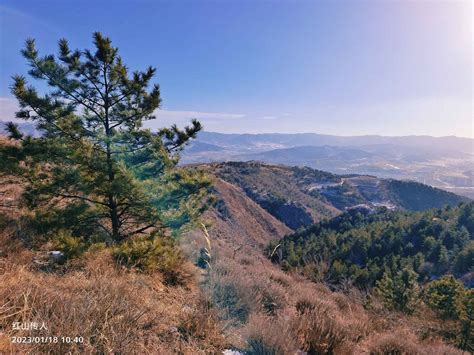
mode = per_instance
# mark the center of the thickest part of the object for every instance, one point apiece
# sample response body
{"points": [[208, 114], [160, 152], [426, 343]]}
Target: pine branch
{"points": [[82, 198], [77, 100]]}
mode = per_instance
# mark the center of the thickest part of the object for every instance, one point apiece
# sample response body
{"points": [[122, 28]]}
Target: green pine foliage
{"points": [[149, 254], [95, 171], [403, 258], [70, 246], [399, 291], [415, 196], [443, 295], [451, 300], [466, 318]]}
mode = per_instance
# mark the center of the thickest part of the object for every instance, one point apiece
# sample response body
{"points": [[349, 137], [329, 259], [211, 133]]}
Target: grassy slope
{"points": [[255, 305]]}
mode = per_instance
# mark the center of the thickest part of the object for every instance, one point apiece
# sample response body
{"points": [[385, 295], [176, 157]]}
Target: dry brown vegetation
{"points": [[114, 310], [270, 312]]}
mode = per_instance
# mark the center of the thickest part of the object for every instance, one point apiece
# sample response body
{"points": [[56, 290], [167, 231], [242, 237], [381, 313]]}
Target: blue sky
{"points": [[336, 67]]}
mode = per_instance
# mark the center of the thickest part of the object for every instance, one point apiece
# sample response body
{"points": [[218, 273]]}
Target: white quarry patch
{"points": [[232, 352]]}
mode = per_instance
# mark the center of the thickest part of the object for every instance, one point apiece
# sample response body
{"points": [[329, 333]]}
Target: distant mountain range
{"points": [[277, 140], [444, 162]]}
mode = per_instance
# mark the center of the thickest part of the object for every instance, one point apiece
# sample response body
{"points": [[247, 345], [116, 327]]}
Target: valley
{"points": [[262, 293]]}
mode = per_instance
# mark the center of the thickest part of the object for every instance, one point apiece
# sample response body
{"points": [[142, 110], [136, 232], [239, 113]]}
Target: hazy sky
{"points": [[337, 67]]}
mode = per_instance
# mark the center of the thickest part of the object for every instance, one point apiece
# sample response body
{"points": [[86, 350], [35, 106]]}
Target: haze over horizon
{"points": [[345, 68], [338, 135]]}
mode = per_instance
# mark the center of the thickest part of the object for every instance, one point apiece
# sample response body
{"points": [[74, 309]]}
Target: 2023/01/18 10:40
{"points": [[48, 339]]}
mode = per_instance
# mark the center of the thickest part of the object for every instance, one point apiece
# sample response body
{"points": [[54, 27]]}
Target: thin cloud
{"points": [[166, 118], [196, 114], [9, 105], [23, 17]]}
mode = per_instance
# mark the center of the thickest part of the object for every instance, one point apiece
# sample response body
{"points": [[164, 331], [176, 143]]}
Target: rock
{"points": [[56, 255]]}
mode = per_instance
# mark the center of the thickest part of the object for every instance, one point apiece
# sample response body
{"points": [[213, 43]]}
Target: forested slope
{"points": [[360, 245]]}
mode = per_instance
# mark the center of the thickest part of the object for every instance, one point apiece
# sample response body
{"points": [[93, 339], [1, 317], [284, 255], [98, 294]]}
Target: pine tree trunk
{"points": [[113, 212], [115, 222]]}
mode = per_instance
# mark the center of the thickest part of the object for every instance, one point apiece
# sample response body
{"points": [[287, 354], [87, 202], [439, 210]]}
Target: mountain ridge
{"points": [[299, 196]]}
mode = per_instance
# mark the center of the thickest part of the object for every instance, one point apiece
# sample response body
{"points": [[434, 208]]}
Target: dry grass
{"points": [[114, 310], [275, 313], [267, 335], [402, 341]]}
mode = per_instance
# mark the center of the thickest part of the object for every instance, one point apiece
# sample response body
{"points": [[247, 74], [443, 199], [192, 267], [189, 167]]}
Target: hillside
{"points": [[442, 162], [361, 245], [269, 311], [238, 220], [126, 227], [302, 196]]}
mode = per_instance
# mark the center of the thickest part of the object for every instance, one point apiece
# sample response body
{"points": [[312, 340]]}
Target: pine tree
{"points": [[443, 260], [95, 170], [443, 295], [399, 291]]}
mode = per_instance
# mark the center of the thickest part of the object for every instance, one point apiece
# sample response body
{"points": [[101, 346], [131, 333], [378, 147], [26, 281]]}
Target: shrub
{"points": [[394, 344], [400, 291], [466, 316], [268, 336], [201, 322], [464, 262], [443, 295], [233, 291], [319, 327], [401, 342], [272, 298], [151, 253], [71, 246], [227, 296]]}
